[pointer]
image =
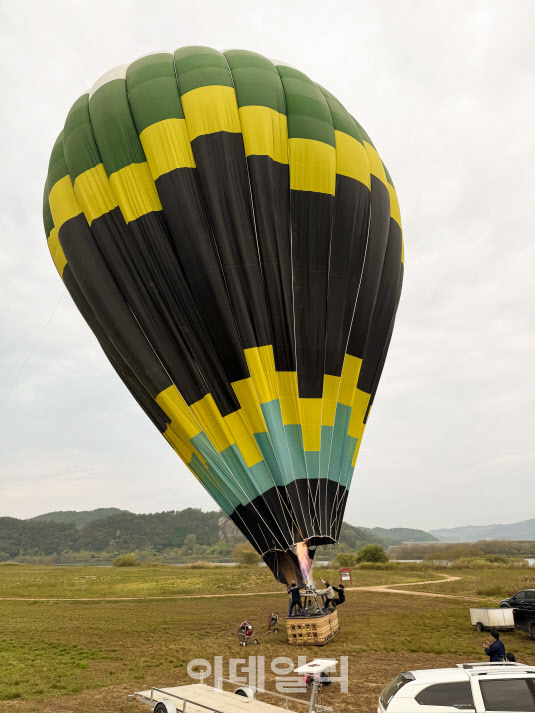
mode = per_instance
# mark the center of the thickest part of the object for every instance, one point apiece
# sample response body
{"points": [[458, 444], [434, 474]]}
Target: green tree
{"points": [[372, 553], [190, 546]]}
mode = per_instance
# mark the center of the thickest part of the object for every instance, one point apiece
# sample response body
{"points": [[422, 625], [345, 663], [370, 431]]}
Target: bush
{"points": [[473, 563], [485, 563], [245, 554], [127, 561], [201, 564], [514, 562], [344, 559], [498, 559], [250, 557], [150, 562], [372, 553], [378, 565]]}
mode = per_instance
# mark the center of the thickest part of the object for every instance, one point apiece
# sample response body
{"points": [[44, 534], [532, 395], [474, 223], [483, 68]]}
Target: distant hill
{"points": [[182, 533], [400, 535], [179, 535], [78, 518], [524, 530], [354, 538]]}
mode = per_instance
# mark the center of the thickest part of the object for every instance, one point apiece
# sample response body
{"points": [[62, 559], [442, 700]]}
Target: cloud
{"points": [[445, 91]]}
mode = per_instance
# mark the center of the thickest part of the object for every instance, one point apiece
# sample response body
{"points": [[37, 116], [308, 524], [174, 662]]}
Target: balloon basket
{"points": [[312, 630]]}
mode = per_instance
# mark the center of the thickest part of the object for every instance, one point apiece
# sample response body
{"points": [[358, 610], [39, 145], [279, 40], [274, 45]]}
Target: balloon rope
{"points": [[32, 350]]}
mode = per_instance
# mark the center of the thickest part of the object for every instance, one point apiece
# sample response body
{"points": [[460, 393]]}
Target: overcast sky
{"points": [[445, 90]]}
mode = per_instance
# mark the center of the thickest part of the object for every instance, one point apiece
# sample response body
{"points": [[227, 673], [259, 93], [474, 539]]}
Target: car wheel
{"points": [[504, 605], [479, 626]]}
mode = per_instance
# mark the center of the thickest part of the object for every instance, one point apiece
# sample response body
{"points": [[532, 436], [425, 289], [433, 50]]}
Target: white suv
{"points": [[472, 687]]}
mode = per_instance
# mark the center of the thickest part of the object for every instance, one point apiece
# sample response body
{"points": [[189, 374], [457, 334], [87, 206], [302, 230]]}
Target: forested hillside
{"points": [[399, 535], [79, 517], [175, 535]]}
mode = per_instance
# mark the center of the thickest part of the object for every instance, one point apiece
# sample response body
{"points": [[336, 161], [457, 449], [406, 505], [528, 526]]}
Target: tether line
{"points": [[32, 350]]}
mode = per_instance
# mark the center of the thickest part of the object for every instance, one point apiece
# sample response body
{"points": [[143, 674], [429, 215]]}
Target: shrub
{"points": [[498, 559], [245, 554], [514, 562], [485, 563], [372, 553], [428, 564], [201, 564], [344, 559], [127, 561], [150, 562], [473, 563], [378, 565]]}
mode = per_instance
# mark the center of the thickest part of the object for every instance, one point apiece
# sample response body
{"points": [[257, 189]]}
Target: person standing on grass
{"points": [[496, 650]]}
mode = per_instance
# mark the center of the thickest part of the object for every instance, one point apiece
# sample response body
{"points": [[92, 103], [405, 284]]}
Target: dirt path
{"points": [[390, 589], [387, 588]]}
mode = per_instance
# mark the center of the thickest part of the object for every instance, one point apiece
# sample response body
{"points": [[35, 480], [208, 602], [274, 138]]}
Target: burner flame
{"points": [[305, 563]]}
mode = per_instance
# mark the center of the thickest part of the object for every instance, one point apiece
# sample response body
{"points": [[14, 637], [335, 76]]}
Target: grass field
{"points": [[497, 583], [166, 580], [65, 656]]}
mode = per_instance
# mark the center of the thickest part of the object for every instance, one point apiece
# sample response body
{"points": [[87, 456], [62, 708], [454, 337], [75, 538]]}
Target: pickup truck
{"points": [[525, 598], [524, 619], [470, 687]]}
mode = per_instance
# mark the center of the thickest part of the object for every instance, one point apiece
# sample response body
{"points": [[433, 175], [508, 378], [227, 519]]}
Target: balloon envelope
{"points": [[231, 236]]}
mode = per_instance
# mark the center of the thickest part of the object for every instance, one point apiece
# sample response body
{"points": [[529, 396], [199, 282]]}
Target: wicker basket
{"points": [[312, 630]]}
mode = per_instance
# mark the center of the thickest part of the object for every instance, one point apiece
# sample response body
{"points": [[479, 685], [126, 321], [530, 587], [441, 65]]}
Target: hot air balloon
{"points": [[229, 233]]}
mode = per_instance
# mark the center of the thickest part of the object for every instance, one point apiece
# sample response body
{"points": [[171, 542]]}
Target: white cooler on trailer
{"points": [[485, 619]]}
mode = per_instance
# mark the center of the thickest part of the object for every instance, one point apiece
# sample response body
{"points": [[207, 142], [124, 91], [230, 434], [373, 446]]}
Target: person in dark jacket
{"points": [[496, 650], [295, 598], [340, 599]]}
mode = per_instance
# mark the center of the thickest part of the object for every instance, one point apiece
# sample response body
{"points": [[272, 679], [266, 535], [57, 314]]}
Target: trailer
{"points": [[201, 698], [485, 619]]}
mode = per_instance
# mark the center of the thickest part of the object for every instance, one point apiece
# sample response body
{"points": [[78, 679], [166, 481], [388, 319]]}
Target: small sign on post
{"points": [[345, 575]]}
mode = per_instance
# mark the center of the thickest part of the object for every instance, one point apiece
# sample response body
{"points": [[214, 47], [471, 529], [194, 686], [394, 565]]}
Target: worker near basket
{"points": [[328, 593], [294, 598]]}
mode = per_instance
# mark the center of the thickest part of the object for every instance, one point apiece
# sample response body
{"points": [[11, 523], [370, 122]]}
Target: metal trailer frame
{"points": [[182, 701], [140, 698]]}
